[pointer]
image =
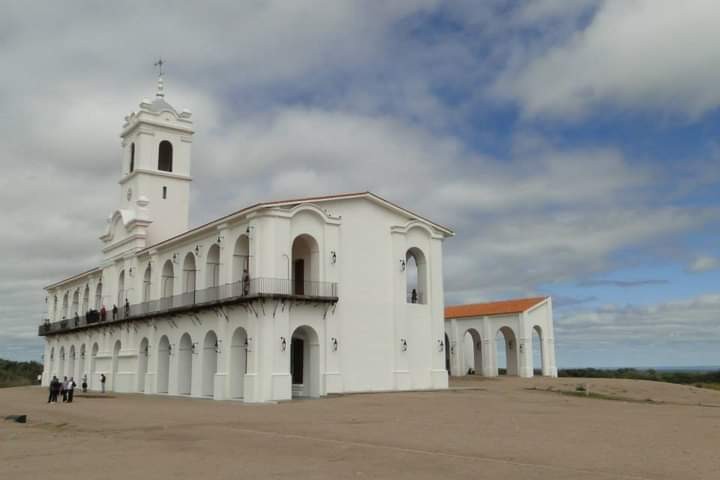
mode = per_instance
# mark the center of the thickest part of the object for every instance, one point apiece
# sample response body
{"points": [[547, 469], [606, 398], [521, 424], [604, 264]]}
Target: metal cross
{"points": [[159, 64]]}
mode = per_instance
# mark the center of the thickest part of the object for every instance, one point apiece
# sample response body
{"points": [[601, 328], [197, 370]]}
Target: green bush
{"points": [[13, 374]]}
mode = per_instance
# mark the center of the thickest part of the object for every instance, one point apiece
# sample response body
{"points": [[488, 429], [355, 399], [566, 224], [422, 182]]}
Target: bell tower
{"points": [[155, 175]]}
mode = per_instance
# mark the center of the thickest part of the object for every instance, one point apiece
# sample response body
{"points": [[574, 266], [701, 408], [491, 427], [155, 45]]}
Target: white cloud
{"points": [[704, 263], [658, 55]]}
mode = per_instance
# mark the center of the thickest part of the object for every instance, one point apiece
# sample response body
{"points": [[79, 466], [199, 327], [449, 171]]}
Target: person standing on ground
{"points": [[51, 396], [56, 390], [84, 383], [102, 382], [63, 389], [70, 389]]}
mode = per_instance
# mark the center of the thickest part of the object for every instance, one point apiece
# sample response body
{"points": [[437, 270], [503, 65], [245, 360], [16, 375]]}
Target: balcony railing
{"points": [[228, 293]]}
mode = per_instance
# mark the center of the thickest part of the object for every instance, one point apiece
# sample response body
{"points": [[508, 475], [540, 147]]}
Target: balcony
{"points": [[232, 293]]}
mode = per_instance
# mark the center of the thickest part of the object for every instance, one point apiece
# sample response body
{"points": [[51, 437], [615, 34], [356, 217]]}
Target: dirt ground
{"points": [[505, 428]]}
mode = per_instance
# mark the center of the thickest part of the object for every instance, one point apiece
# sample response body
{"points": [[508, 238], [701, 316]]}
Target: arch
{"points": [[472, 352], [51, 367], [98, 296], [65, 305], [147, 283], [163, 367], [61, 363], [184, 371], [55, 308], [538, 350], [71, 362], [305, 265], [305, 362], [116, 365], [238, 362], [93, 358], [212, 267], [143, 353], [121, 289], [75, 302], [82, 367], [241, 268], [165, 156], [168, 284], [86, 300], [132, 157], [416, 276], [189, 273], [209, 364], [506, 337]]}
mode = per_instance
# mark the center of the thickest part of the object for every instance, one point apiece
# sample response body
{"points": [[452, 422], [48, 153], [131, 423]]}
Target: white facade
{"points": [[473, 339], [291, 298]]}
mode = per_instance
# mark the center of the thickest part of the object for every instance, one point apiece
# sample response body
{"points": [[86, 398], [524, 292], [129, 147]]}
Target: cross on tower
{"points": [[159, 64]]}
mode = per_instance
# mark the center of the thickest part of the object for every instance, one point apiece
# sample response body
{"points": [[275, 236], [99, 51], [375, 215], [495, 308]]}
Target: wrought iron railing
{"points": [[237, 291]]}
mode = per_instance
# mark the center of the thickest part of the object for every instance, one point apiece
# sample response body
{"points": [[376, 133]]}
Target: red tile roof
{"points": [[503, 307]]}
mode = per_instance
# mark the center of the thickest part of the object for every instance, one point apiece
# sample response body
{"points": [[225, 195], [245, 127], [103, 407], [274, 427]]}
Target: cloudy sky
{"points": [[574, 146]]}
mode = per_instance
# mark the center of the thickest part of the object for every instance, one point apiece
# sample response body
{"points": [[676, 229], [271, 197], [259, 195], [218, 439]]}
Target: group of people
{"points": [[66, 388]]}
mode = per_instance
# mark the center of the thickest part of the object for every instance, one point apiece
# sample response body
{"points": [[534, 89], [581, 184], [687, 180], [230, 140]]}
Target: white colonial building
{"points": [[301, 297], [473, 332]]}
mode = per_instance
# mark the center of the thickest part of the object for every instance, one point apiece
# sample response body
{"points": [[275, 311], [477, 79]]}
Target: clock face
{"points": [[129, 194]]}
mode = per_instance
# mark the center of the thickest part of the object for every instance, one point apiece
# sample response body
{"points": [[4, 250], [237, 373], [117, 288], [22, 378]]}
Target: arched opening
{"points": [[506, 352], [472, 352], [86, 300], [189, 274], [147, 283], [168, 284], [212, 269], [163, 367], [132, 157], [143, 352], [416, 276], [98, 296], [65, 305], [305, 265], [82, 370], [55, 308], [539, 367], [241, 266], [121, 290], [71, 362], [447, 353], [75, 310], [184, 373], [61, 363], [116, 366], [93, 358], [238, 362], [209, 364], [305, 362], [165, 156], [51, 366]]}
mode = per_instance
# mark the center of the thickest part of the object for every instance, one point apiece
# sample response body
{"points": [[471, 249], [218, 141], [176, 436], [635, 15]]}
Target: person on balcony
{"points": [[127, 308], [246, 282], [77, 319], [414, 296], [103, 313], [115, 312]]}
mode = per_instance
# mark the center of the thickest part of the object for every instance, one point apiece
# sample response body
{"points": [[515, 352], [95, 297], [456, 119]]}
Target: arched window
{"points": [[416, 275], [86, 300], [168, 284], [65, 305], [189, 273], [121, 289], [55, 308], [305, 265], [75, 303], [213, 266], [146, 283], [98, 296], [165, 156], [132, 157]]}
